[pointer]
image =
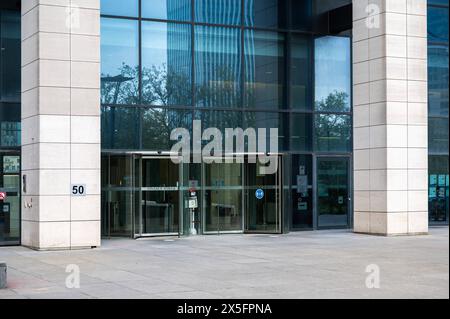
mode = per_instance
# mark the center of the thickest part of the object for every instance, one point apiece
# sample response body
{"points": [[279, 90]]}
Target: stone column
{"points": [[60, 123], [390, 116]]}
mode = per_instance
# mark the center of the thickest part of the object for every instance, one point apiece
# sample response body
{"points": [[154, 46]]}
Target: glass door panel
{"points": [[160, 197], [223, 197], [117, 195], [333, 192], [263, 199], [438, 189], [10, 200]]}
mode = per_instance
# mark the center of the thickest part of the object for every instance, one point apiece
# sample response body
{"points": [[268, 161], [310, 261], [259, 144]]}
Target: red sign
{"points": [[2, 195]]}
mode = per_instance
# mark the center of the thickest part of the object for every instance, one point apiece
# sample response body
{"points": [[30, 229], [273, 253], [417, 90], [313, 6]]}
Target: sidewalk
{"points": [[322, 264]]}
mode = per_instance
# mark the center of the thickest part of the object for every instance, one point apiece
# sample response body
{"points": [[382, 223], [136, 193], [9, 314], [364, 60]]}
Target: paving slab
{"points": [[321, 264]]}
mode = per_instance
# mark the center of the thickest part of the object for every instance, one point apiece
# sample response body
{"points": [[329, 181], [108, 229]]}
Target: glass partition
{"points": [[332, 133], [218, 11], [438, 135], [120, 128], [10, 203], [179, 10], [300, 65], [10, 56], [265, 13], [117, 195], [120, 61], [129, 8], [217, 67], [263, 199], [438, 189], [332, 74], [264, 69], [157, 125], [160, 201]]}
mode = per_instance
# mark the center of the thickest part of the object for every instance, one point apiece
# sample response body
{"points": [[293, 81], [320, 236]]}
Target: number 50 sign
{"points": [[78, 190]]}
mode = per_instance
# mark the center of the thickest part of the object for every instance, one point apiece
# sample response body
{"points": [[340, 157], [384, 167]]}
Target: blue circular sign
{"points": [[259, 193]]}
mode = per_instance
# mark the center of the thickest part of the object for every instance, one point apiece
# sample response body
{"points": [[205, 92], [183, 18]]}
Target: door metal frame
{"points": [[107, 193], [19, 193], [139, 157], [203, 199], [278, 201]]}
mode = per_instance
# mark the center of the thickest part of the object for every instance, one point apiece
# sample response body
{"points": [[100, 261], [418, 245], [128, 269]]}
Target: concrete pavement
{"points": [[321, 264]]}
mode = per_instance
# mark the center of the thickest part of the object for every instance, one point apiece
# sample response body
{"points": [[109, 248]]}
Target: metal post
{"points": [[2, 275]]}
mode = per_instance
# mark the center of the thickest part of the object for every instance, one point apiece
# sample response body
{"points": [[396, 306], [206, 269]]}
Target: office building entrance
{"points": [[150, 195]]}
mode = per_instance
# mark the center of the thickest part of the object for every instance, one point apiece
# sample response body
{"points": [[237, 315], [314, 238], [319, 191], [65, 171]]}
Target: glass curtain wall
{"points": [[10, 128], [438, 82], [229, 63]]}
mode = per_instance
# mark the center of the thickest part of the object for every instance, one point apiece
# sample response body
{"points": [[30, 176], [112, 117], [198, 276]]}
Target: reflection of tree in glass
{"points": [[334, 102], [160, 86], [165, 86], [333, 130], [159, 123], [121, 88]]}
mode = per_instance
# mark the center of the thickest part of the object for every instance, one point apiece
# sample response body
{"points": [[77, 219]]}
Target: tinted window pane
{"points": [[301, 11], [218, 67], [438, 2], [300, 75], [10, 125], [157, 124], [10, 56], [269, 120], [438, 189], [223, 197], [221, 120], [332, 133], [438, 135], [437, 24], [179, 10], [120, 7], [119, 61], [218, 11], [332, 74], [301, 132], [438, 79], [322, 6], [120, 128], [264, 69], [265, 13], [166, 63]]}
